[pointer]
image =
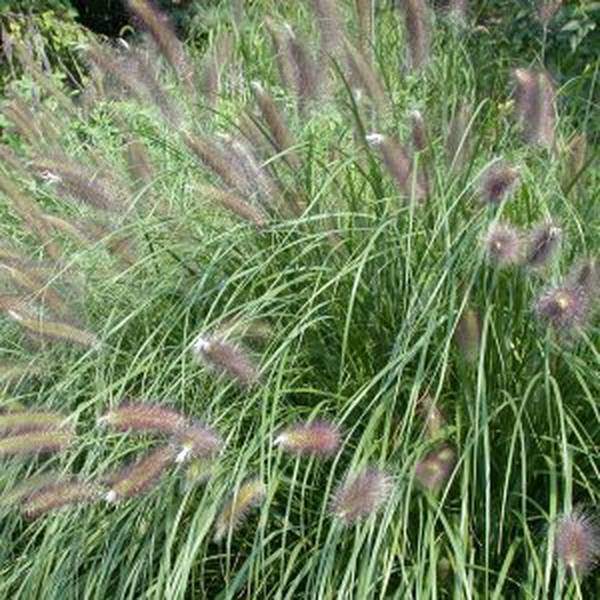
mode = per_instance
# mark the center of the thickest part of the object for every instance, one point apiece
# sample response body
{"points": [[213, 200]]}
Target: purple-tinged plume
{"points": [[59, 495], [420, 139], [566, 307], [144, 418], [416, 23], [248, 496], [434, 418], [468, 334], [503, 244], [139, 477], [399, 165], [542, 244], [318, 438], [361, 495], [226, 357], [497, 182], [433, 471], [577, 542], [36, 442], [536, 106], [24, 422], [197, 441], [585, 274]]}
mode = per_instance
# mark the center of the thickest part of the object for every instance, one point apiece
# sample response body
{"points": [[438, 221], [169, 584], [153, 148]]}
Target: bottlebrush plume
{"points": [[503, 244], [228, 358], [331, 28], [139, 477], [144, 418], [249, 495], [170, 47], [198, 441], [458, 142], [15, 423], [433, 471], [420, 139], [416, 23], [564, 307], [577, 542], [398, 163], [365, 14], [59, 495], [542, 244], [198, 471], [58, 331], [235, 204], [468, 334], [585, 274], [318, 438], [23, 490], [282, 137], [497, 182], [36, 442], [434, 418], [535, 106], [361, 495]]}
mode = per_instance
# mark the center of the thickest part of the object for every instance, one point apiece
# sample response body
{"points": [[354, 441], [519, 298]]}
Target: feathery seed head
{"points": [[586, 275], [59, 495], [564, 307], [139, 477], [468, 333], [143, 418], [23, 422], [318, 438], [419, 131], [36, 442], [228, 358], [416, 21], [542, 245], [198, 441], [249, 495], [433, 471], [361, 495], [503, 244], [497, 182], [435, 421], [577, 542]]}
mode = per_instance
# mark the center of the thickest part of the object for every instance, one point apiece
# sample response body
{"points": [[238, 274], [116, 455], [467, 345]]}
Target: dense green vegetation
{"points": [[374, 223]]}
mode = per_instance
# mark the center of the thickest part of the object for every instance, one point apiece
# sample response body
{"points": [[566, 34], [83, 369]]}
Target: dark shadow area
{"points": [[107, 17]]}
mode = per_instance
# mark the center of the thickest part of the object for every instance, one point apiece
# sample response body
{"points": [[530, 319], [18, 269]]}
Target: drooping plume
{"points": [[226, 357], [235, 204], [331, 29], [36, 442], [577, 542], [198, 441], [497, 182], [361, 495], [163, 35], [504, 244], [248, 496], [417, 27], [542, 244], [59, 495], [144, 418], [318, 438], [15, 423], [139, 477]]}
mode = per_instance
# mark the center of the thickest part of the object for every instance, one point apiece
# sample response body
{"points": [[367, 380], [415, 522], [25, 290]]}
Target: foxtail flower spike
{"points": [[318, 438], [248, 496], [497, 182], [197, 441], [139, 477], [361, 495], [566, 307], [143, 418], [468, 334], [433, 471], [15, 423], [58, 496], [228, 358], [416, 23], [36, 442], [542, 244], [577, 542]]}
